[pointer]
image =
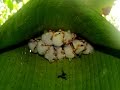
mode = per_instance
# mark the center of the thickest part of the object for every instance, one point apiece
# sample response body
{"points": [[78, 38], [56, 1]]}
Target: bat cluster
{"points": [[58, 45]]}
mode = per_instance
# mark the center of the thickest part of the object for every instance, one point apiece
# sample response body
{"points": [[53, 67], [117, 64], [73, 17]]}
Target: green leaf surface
{"points": [[98, 5], [54, 14], [22, 70]]}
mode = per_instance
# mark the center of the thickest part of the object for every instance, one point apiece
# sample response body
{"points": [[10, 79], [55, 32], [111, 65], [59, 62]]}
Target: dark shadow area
{"points": [[13, 47], [110, 51], [106, 50], [62, 75], [25, 42]]}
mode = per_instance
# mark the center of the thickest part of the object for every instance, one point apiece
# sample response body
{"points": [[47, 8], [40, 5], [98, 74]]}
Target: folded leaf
{"points": [[102, 6], [39, 15], [22, 70]]}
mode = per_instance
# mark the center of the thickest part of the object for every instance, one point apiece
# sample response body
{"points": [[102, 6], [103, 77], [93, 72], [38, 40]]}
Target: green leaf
{"points": [[38, 15], [99, 5], [9, 3], [22, 70]]}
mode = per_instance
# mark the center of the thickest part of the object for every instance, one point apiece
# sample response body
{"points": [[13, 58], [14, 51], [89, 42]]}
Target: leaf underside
{"points": [[22, 70]]}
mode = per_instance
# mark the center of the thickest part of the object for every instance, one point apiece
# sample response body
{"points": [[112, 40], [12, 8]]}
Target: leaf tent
{"points": [[23, 70]]}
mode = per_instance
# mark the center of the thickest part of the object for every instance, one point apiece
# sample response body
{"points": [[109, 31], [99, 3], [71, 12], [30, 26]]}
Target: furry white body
{"points": [[58, 45], [50, 54], [69, 51], [42, 48], [89, 49], [47, 38], [79, 46], [32, 45], [58, 39], [60, 53]]}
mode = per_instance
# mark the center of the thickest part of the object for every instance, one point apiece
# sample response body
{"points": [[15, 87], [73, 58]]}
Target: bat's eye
{"points": [[81, 45]]}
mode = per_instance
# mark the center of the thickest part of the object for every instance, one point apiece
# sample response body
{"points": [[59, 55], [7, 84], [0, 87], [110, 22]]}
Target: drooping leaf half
{"points": [[54, 14]]}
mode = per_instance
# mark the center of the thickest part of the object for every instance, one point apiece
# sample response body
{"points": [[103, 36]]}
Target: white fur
{"points": [[50, 54], [49, 45], [57, 39], [32, 45], [60, 53], [47, 38], [89, 49], [69, 51], [79, 46], [68, 37], [42, 48]]}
